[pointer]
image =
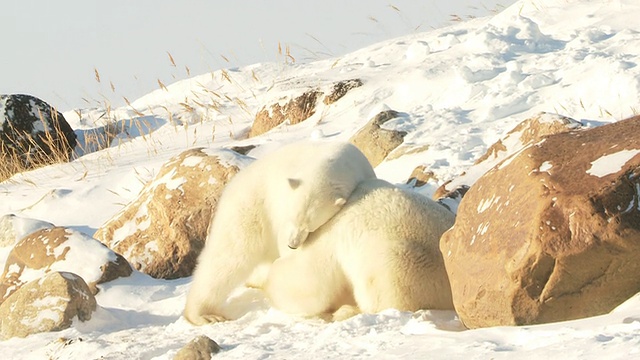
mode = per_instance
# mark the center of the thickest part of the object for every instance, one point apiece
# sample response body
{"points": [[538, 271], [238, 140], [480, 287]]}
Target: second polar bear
{"points": [[380, 251], [268, 207]]}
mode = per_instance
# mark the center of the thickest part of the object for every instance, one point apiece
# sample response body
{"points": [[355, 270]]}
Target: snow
{"points": [[545, 166], [612, 163], [458, 90], [85, 257]]}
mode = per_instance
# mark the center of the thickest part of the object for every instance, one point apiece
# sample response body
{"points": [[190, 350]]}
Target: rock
{"points": [[375, 142], [32, 133], [60, 249], [525, 134], [420, 176], [200, 348], [244, 150], [47, 304], [452, 199], [163, 230], [13, 228], [294, 111], [552, 233], [340, 89]]}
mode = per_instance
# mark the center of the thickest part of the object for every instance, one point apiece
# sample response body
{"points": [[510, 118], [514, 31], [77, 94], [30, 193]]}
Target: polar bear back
{"points": [[392, 255]]}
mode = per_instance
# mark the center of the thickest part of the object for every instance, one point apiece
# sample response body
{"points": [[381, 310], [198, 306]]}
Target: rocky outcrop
{"points": [[340, 89], [47, 304], [32, 133], [200, 348], [375, 142], [163, 230], [526, 133], [552, 233], [294, 111], [60, 249]]}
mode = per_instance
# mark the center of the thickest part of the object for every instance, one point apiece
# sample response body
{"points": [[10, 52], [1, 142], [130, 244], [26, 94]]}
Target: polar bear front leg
{"points": [[219, 271]]}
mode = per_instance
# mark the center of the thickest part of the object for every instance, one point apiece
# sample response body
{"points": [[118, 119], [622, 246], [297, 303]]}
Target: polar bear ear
{"points": [[340, 201], [294, 183]]}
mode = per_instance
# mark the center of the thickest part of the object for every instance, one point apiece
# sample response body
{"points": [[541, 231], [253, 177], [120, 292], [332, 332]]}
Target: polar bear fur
{"points": [[266, 209], [380, 251]]}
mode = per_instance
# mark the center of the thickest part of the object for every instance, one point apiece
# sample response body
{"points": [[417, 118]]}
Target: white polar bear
{"points": [[267, 208], [380, 251]]}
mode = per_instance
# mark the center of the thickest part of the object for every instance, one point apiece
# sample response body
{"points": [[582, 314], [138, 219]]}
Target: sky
{"points": [[57, 50]]}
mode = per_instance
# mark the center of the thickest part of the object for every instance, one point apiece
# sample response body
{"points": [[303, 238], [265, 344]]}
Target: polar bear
{"points": [[380, 251], [267, 209]]}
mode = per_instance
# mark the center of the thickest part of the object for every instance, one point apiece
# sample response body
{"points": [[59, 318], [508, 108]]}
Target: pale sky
{"points": [[51, 48]]}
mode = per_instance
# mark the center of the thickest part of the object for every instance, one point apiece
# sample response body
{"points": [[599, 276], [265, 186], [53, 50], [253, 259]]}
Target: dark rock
{"points": [[33, 133], [340, 89]]}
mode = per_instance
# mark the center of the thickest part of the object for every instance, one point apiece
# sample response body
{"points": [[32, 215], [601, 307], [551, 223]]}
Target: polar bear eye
{"points": [[294, 183]]}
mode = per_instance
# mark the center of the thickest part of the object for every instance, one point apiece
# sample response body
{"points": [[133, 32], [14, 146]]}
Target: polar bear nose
{"points": [[297, 239]]}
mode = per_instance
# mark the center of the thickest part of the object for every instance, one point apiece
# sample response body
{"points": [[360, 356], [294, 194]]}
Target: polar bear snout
{"points": [[298, 239], [293, 235]]}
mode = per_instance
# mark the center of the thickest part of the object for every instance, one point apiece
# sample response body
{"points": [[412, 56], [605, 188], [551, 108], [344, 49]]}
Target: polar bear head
{"points": [[311, 205]]}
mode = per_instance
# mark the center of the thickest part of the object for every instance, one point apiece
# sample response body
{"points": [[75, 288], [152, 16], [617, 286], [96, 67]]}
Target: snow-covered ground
{"points": [[458, 89]]}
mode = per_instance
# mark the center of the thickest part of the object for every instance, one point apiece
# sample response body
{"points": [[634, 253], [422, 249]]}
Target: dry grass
{"points": [[21, 151]]}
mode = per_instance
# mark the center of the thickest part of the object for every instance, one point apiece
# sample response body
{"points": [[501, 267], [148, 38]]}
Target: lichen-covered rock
{"points": [[528, 132], [552, 233], [32, 133], [340, 89], [200, 348], [60, 249], [294, 111], [46, 304], [163, 230], [375, 142]]}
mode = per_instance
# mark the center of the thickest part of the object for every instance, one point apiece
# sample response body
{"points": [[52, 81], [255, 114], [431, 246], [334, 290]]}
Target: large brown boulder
{"points": [[47, 304], [32, 133], [375, 141], [60, 249], [294, 111], [163, 230], [526, 133], [551, 233]]}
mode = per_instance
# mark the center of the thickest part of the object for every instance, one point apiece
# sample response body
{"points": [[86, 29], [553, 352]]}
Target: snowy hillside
{"points": [[458, 90]]}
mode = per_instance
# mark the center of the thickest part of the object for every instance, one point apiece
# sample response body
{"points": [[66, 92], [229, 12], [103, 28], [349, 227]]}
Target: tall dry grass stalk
{"points": [[21, 150]]}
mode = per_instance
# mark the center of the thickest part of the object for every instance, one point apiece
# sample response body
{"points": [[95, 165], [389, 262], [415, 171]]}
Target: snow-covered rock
{"points": [[163, 230], [60, 249], [50, 303]]}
